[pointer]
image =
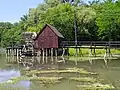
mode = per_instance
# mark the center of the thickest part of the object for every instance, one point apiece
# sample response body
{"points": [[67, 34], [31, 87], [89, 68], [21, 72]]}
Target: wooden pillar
{"points": [[109, 51], [76, 54], [17, 53], [51, 52], [39, 53], [52, 55], [94, 50], [90, 51], [105, 55], [67, 52], [6, 52], [46, 54], [56, 52], [43, 55], [63, 52], [80, 52], [10, 51], [20, 52], [63, 60]]}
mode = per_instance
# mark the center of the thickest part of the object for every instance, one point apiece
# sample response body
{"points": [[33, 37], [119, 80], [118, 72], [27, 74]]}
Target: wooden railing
{"points": [[91, 43]]}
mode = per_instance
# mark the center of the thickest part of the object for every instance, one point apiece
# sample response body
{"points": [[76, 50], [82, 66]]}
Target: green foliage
{"points": [[95, 21], [108, 21]]}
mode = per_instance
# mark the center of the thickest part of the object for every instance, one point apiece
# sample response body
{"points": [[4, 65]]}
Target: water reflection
{"points": [[38, 62], [6, 75], [107, 69]]}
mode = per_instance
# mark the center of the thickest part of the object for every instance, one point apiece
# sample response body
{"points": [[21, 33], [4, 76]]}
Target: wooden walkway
{"points": [[90, 44], [65, 45]]}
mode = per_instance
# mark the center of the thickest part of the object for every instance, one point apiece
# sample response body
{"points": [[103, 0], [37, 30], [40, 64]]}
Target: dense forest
{"points": [[95, 20]]}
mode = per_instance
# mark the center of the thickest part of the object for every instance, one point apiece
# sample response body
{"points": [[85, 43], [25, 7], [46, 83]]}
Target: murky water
{"points": [[108, 70]]}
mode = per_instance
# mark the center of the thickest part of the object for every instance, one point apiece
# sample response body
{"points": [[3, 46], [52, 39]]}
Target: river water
{"points": [[108, 70]]}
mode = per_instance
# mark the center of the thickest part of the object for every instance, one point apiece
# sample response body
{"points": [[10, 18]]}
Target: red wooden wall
{"points": [[46, 39]]}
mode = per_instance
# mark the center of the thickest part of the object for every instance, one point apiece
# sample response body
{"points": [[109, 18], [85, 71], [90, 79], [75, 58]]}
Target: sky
{"points": [[12, 10]]}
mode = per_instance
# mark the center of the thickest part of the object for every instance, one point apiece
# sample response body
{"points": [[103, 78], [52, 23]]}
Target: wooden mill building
{"points": [[48, 38]]}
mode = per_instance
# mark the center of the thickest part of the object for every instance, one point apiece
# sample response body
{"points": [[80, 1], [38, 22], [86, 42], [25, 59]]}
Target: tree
{"points": [[108, 21]]}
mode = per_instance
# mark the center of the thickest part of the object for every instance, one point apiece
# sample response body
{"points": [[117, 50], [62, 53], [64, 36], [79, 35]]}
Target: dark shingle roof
{"points": [[55, 31]]}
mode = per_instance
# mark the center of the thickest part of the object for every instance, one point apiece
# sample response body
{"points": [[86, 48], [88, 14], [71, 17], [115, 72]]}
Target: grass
{"points": [[85, 54], [85, 51]]}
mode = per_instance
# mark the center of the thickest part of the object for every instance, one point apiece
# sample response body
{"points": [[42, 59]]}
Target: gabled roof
{"points": [[53, 29]]}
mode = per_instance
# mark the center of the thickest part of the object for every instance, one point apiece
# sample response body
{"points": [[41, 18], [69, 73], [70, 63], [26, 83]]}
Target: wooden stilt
{"points": [[80, 52], [17, 54], [49, 52], [39, 53], [67, 52], [76, 54], [105, 55], [6, 53], [94, 50], [109, 51], [43, 54], [56, 52], [90, 52], [52, 55], [63, 52], [63, 60], [76, 61], [56, 59], [46, 54]]}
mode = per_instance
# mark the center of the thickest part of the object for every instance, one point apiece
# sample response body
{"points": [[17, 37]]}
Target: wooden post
{"points": [[46, 54], [17, 54], [6, 52], [63, 52], [39, 53], [43, 53], [67, 52], [56, 52], [90, 52], [80, 52], [76, 54], [52, 55], [63, 60], [94, 49], [105, 55], [51, 52], [109, 51]]}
